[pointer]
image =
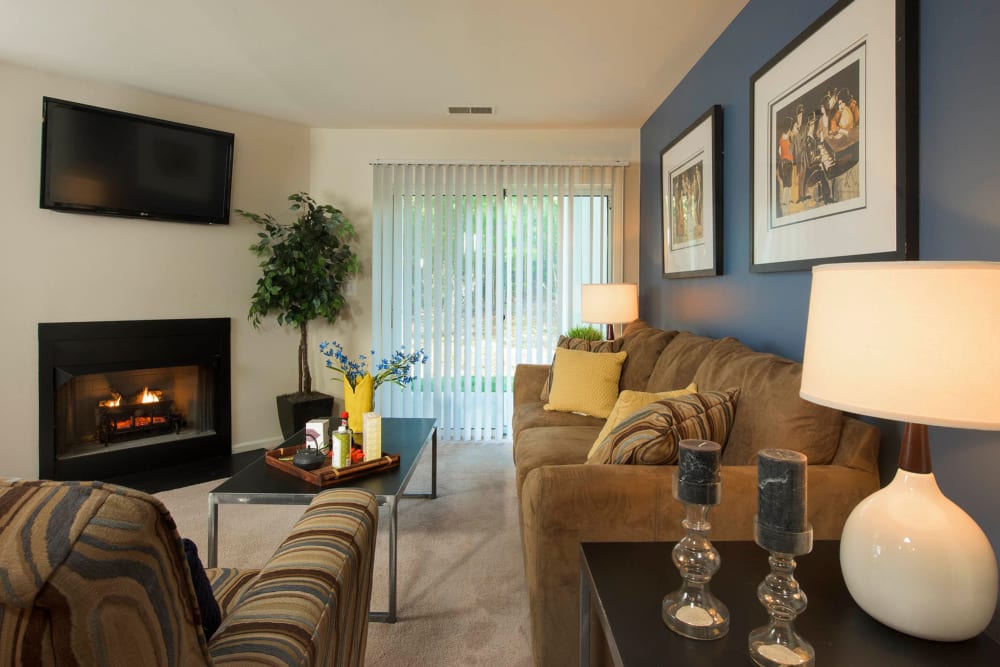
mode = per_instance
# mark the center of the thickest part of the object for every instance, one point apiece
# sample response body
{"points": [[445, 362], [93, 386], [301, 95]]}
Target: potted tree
{"points": [[305, 268]]}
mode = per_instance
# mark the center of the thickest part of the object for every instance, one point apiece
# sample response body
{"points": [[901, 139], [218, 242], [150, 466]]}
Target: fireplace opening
{"points": [[117, 397]]}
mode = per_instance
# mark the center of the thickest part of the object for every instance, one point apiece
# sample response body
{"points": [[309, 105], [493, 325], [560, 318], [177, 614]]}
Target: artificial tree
{"points": [[305, 269]]}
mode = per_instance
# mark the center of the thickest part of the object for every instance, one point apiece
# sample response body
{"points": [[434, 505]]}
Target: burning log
{"points": [[144, 413]]}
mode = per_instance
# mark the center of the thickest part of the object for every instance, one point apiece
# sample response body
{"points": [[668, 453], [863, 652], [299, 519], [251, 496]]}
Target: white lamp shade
{"points": [[610, 303], [910, 341]]}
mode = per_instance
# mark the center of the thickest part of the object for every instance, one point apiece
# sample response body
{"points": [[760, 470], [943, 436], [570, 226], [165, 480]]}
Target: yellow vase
{"points": [[359, 400]]}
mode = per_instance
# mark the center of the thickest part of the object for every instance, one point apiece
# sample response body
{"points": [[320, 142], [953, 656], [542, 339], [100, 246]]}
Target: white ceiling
{"points": [[381, 63]]}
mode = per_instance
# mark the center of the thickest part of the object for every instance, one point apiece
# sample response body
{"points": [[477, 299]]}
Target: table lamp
{"points": [[610, 303], [914, 342]]}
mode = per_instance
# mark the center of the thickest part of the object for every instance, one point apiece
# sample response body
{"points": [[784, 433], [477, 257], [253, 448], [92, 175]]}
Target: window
{"points": [[481, 265]]}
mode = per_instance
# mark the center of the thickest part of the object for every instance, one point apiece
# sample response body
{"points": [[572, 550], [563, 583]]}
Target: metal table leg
{"points": [[434, 470], [390, 615], [584, 619], [213, 530]]}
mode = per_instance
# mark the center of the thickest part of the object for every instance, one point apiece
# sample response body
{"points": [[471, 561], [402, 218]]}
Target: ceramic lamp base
{"points": [[916, 562]]}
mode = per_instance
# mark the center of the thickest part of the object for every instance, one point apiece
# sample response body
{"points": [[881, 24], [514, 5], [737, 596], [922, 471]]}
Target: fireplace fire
{"points": [[144, 413], [119, 397]]}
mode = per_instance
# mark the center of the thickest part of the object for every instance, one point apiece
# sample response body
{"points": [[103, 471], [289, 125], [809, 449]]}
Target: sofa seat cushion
{"points": [[228, 585], [676, 365], [770, 412], [652, 435], [564, 445], [533, 415]]}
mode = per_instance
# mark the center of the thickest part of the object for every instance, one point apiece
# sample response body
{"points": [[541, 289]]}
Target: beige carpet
{"points": [[461, 598]]}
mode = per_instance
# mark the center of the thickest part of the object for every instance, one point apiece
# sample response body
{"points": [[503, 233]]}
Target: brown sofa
{"points": [[565, 501]]}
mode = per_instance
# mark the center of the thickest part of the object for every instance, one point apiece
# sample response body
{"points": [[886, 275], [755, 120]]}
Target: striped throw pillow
{"points": [[651, 435]]}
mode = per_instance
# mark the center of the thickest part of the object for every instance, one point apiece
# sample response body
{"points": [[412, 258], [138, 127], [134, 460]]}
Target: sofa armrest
{"points": [[528, 382], [562, 506], [309, 605]]}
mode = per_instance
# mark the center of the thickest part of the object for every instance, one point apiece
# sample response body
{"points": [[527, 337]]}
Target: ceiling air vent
{"points": [[471, 110]]}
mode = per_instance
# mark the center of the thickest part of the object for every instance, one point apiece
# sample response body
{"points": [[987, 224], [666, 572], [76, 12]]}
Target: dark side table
{"points": [[624, 582]]}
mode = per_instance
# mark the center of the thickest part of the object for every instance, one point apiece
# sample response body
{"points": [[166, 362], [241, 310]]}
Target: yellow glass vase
{"points": [[358, 400]]}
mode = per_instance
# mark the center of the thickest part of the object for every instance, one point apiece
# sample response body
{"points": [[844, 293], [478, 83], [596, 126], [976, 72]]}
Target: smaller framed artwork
{"points": [[833, 141], [691, 196]]}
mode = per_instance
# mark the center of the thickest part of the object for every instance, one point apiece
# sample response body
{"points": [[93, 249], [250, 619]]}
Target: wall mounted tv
{"points": [[107, 162]]}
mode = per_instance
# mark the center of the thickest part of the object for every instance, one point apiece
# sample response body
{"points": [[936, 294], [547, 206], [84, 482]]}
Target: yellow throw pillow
{"points": [[585, 382], [629, 401]]}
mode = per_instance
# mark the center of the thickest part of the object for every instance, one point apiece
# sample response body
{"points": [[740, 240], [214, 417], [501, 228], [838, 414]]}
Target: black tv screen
{"points": [[112, 163]]}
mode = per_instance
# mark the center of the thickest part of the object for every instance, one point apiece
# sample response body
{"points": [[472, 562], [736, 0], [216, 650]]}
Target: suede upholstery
{"points": [[770, 387], [564, 502], [643, 347], [675, 367]]}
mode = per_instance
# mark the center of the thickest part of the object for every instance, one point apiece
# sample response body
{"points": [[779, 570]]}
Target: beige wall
{"points": [[62, 267], [65, 267], [341, 175]]}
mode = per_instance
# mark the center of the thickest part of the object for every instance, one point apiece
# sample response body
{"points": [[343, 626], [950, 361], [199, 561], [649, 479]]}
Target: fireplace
{"points": [[118, 397]]}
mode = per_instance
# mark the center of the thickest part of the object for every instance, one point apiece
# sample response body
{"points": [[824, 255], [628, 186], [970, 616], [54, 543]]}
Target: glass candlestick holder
{"points": [[777, 644], [692, 611]]}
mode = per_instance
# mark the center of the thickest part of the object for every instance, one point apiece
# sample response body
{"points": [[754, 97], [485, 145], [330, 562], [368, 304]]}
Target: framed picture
{"points": [[833, 150], [691, 196]]}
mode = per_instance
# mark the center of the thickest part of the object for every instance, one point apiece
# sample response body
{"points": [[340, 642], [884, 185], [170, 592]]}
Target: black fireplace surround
{"points": [[187, 362]]}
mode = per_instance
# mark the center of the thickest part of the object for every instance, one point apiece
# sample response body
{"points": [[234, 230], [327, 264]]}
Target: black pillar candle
{"points": [[698, 472], [781, 490]]}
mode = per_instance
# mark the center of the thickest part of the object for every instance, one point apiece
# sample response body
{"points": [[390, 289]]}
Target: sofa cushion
{"points": [[631, 401], [585, 382], [537, 447], [643, 346], [533, 415], [651, 436], [770, 412], [579, 344], [676, 365], [633, 326]]}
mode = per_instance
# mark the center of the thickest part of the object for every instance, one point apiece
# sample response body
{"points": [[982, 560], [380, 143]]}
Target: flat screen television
{"points": [[108, 162]]}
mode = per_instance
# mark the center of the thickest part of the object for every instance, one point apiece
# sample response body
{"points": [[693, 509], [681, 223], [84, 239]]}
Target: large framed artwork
{"points": [[691, 196], [833, 153]]}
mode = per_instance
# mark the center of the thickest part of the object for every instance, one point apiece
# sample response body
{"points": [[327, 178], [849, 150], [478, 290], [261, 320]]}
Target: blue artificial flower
{"points": [[397, 368]]}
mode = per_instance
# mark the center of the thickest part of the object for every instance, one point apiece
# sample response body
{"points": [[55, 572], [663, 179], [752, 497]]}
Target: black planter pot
{"points": [[294, 410]]}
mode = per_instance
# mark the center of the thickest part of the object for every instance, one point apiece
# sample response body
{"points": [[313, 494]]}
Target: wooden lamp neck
{"points": [[915, 449]]}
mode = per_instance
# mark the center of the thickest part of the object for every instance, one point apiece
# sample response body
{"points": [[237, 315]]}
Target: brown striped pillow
{"points": [[651, 435]]}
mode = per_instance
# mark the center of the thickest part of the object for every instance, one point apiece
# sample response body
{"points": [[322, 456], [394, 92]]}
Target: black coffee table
{"points": [[261, 484], [625, 583]]}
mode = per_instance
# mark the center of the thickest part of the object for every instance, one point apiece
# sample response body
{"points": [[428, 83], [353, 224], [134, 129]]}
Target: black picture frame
{"points": [[848, 192], [691, 169]]}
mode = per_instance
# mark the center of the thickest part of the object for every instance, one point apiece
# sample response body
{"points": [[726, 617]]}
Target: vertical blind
{"points": [[481, 266]]}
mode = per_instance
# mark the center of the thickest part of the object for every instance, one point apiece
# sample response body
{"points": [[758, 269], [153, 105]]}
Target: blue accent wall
{"points": [[959, 202]]}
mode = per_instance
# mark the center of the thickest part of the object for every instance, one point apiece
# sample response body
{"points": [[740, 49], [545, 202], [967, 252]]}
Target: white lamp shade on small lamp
{"points": [[914, 342], [609, 303]]}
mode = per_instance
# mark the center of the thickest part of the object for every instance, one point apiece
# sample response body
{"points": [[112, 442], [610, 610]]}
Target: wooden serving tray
{"points": [[326, 475]]}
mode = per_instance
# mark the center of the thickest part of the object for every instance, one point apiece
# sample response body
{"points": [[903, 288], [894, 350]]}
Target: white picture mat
{"points": [[679, 157], [863, 231]]}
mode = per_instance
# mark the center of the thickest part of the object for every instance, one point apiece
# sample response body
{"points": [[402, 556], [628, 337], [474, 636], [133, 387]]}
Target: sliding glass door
{"points": [[481, 265]]}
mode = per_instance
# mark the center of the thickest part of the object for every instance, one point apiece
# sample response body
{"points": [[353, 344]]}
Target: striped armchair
{"points": [[95, 574]]}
